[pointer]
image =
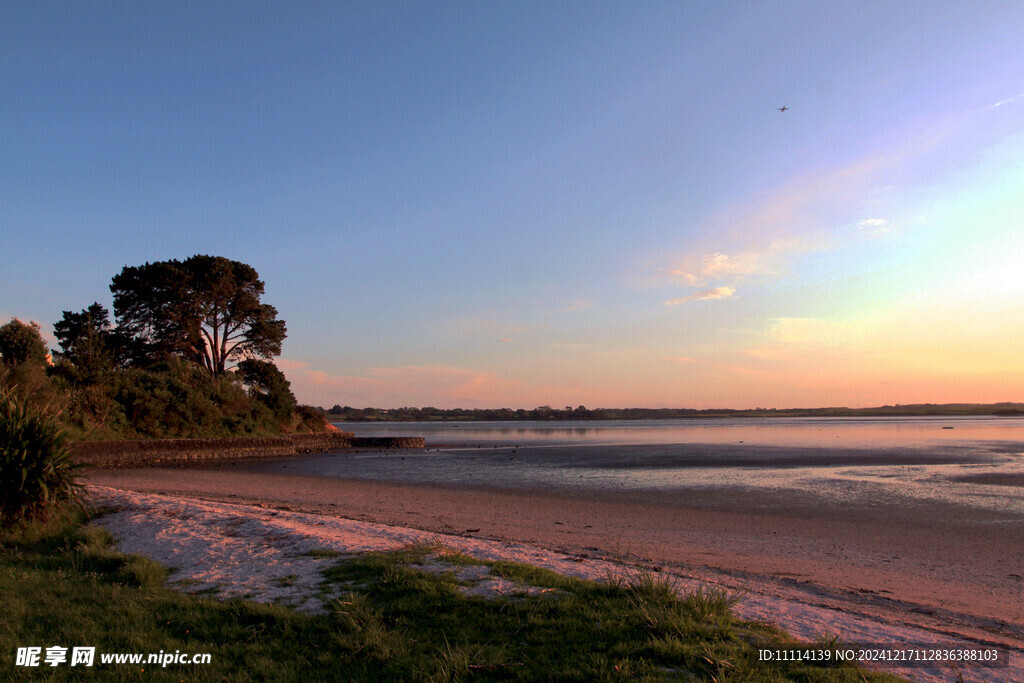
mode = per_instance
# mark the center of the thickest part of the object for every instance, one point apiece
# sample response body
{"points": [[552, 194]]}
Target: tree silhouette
{"points": [[206, 309]]}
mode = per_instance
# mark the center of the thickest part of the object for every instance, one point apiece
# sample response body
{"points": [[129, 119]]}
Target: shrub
{"points": [[309, 419], [36, 471], [21, 343]]}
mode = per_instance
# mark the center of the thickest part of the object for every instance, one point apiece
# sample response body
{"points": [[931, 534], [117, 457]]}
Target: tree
{"points": [[269, 385], [206, 309], [87, 340], [21, 343]]}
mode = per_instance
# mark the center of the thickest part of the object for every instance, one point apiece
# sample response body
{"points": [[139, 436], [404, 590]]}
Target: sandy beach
{"points": [[934, 570]]}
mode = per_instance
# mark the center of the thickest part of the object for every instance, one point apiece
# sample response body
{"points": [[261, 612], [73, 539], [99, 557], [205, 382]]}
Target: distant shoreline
{"points": [[546, 413]]}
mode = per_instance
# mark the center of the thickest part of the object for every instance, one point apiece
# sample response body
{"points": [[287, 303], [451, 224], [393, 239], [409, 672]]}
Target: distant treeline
{"points": [[349, 414]]}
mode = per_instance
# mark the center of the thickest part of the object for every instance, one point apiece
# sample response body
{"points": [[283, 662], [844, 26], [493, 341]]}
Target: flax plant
{"points": [[37, 475]]}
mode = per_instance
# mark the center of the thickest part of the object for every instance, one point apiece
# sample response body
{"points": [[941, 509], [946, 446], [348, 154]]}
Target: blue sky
{"points": [[525, 203]]}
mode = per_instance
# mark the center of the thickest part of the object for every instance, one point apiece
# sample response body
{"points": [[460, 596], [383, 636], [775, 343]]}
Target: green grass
{"points": [[61, 584]]}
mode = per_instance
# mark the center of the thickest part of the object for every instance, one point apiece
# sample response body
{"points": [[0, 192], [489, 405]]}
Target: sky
{"points": [[515, 204]]}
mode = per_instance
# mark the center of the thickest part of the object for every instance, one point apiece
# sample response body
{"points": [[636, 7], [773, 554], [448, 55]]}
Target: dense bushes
{"points": [[36, 472], [178, 398], [174, 398]]}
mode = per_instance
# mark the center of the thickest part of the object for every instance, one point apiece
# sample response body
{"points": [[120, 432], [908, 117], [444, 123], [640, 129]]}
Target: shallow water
{"points": [[849, 432], [977, 462]]}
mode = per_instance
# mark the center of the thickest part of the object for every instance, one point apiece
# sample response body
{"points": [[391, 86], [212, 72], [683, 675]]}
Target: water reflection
{"points": [[970, 461], [811, 432]]}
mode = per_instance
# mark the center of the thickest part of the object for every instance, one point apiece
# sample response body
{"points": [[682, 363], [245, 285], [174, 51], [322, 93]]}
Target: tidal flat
{"points": [[904, 515]]}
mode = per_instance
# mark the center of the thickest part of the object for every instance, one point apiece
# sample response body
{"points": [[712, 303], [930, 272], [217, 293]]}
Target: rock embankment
{"points": [[182, 452], [170, 452]]}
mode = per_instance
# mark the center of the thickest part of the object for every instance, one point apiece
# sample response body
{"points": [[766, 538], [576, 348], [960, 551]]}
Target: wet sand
{"points": [[1012, 479], [950, 568]]}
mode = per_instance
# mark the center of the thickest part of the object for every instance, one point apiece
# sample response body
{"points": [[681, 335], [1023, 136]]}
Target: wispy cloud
{"points": [[703, 295], [758, 239], [286, 365], [876, 227], [700, 269], [1012, 99], [679, 359]]}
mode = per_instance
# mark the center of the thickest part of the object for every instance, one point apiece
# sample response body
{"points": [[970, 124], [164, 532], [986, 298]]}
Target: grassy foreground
{"points": [[62, 585]]}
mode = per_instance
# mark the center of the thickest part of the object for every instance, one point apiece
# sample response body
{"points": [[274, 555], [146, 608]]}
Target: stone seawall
{"points": [[173, 452], [169, 452]]}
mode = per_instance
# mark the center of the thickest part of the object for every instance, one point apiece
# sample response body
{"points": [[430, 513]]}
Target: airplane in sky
{"points": [[783, 108]]}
